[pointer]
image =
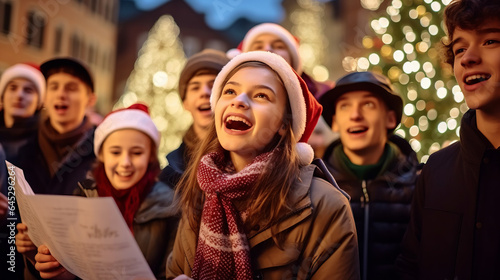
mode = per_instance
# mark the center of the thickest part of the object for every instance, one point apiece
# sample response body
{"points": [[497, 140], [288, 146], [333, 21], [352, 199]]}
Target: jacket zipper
{"points": [[365, 203]]}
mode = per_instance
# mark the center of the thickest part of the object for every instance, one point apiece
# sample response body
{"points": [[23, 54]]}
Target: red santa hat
{"points": [[305, 109], [135, 117], [26, 71], [290, 41]]}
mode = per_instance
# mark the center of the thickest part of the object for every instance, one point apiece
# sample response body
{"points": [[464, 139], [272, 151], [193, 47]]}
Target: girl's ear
{"points": [[100, 157], [282, 130]]}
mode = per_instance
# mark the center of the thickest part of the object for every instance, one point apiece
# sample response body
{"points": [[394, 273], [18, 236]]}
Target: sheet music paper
{"points": [[88, 236]]}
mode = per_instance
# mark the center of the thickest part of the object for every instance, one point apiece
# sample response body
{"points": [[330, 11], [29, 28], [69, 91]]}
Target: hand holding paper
{"points": [[24, 244], [87, 236], [49, 267]]}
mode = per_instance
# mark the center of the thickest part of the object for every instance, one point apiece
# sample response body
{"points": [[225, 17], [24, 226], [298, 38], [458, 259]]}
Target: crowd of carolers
{"points": [[245, 196]]}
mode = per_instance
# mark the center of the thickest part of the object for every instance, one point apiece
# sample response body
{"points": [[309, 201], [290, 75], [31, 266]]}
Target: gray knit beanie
{"points": [[207, 59]]}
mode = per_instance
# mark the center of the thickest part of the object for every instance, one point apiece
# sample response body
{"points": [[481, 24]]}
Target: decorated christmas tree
{"points": [[154, 82], [308, 24], [406, 48]]}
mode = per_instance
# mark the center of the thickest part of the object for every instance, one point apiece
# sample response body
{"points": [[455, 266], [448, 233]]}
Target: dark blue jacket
{"points": [[19, 143], [177, 164], [381, 220]]}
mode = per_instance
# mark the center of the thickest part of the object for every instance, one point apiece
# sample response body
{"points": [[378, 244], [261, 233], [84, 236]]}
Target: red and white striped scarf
{"points": [[223, 251]]}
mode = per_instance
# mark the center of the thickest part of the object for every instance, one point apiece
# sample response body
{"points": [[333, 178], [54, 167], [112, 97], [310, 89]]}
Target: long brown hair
{"points": [[269, 197]]}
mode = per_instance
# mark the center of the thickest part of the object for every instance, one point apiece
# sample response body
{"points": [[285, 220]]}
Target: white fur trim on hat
{"points": [[305, 152], [231, 53], [125, 119], [285, 35], [27, 72]]}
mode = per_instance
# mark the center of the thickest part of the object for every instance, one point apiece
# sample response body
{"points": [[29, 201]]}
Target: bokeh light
{"points": [[406, 48]]}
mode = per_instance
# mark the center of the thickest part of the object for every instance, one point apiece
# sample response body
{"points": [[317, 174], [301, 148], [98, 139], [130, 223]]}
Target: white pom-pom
{"points": [[305, 152], [232, 53]]}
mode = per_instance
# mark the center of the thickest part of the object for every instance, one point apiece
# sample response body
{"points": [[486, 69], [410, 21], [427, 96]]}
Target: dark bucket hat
{"points": [[369, 81]]}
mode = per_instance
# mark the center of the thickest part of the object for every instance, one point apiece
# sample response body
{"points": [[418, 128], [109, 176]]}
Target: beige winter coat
{"points": [[320, 240]]}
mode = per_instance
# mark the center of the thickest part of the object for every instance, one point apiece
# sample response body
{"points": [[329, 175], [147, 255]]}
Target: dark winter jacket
{"points": [[177, 163], [19, 142], [178, 160], [383, 212], [70, 171], [319, 237], [3, 173], [454, 232], [155, 224], [20, 146]]}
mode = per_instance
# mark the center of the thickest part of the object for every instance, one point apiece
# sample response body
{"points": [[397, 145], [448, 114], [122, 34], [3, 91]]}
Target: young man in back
{"points": [[454, 232], [65, 138], [22, 91], [376, 168], [195, 86]]}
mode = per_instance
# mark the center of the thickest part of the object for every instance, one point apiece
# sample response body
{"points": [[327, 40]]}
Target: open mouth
{"points": [[61, 107], [125, 173], [237, 123], [357, 129], [474, 79], [205, 107]]}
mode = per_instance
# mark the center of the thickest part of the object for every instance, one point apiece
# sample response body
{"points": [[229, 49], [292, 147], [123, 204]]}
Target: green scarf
{"points": [[369, 171]]}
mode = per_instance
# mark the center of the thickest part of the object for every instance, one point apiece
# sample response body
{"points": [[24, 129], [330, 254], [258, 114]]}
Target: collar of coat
{"points": [[301, 210], [474, 143]]}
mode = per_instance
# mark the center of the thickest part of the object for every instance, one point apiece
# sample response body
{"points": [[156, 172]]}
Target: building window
{"points": [[107, 11], [83, 50], [111, 11], [5, 16], [75, 45], [87, 4], [93, 6], [104, 60], [35, 29], [58, 40], [91, 55], [111, 62]]}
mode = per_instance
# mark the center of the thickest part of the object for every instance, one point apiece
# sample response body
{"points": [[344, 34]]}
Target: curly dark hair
{"points": [[467, 15]]}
